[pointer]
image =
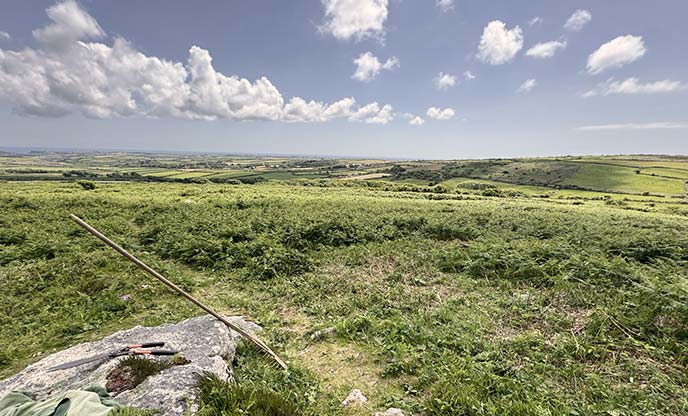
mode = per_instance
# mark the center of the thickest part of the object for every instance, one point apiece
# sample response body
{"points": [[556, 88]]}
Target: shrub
{"points": [[87, 185], [275, 260]]}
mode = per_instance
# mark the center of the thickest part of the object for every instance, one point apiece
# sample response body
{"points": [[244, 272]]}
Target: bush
{"points": [[275, 260], [87, 185]]}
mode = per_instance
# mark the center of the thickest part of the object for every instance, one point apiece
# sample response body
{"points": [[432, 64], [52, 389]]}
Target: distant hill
{"points": [[625, 174]]}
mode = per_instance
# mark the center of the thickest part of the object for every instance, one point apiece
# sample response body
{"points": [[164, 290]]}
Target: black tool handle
{"points": [[146, 345], [155, 352]]}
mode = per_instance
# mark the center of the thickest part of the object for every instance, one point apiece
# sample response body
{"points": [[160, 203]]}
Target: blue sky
{"points": [[365, 74]]}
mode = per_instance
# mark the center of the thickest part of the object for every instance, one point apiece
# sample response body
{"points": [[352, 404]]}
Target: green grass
{"points": [[444, 303], [188, 175], [220, 397], [132, 371], [228, 174], [668, 172], [624, 179]]}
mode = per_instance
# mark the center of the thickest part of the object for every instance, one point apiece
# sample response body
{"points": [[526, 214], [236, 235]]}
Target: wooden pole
{"points": [[255, 340]]}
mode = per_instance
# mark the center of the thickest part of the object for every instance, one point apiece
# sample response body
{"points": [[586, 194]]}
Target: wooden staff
{"points": [[255, 340]]}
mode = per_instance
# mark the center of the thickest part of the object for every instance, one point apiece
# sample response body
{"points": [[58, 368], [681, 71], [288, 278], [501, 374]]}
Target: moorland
{"points": [[543, 286]]}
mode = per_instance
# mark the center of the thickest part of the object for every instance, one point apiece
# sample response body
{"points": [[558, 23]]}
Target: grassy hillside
{"points": [[624, 179], [465, 300], [632, 175], [629, 175]]}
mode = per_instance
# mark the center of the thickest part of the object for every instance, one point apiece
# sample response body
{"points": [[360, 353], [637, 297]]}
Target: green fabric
{"points": [[93, 401]]}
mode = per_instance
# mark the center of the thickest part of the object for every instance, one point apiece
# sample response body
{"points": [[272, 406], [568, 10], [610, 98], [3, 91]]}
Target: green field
{"points": [[447, 300], [667, 172], [625, 180], [628, 175]]}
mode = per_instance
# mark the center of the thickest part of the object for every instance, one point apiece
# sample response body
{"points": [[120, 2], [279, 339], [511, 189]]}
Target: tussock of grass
{"points": [[132, 371], [218, 397]]}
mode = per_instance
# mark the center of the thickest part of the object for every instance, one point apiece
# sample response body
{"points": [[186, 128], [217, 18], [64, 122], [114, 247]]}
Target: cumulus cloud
{"points": [[368, 67], [546, 49], [68, 74], [373, 113], [468, 75], [5, 36], [444, 81], [527, 86], [355, 19], [440, 114], [70, 23], [445, 5], [659, 125], [534, 21], [417, 121], [616, 53], [498, 45], [578, 20], [634, 86]]}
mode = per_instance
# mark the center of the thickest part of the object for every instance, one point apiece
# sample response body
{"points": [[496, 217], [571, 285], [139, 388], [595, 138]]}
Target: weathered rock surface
{"points": [[204, 341], [392, 411], [355, 398]]}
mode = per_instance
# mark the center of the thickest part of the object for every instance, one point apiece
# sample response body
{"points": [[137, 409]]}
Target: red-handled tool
{"points": [[133, 349]]}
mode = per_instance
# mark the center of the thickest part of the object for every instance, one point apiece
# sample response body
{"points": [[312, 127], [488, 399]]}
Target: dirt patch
{"points": [[343, 367], [579, 317], [504, 333], [295, 321]]}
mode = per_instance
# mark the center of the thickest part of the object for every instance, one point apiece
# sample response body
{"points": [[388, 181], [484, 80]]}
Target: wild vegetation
{"points": [[469, 297]]}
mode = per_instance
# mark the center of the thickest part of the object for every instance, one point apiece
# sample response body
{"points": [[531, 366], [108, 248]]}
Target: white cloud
{"points": [[660, 125], [68, 74], [339, 109], [368, 67], [357, 19], [546, 49], [417, 121], [499, 45], [445, 5], [440, 114], [634, 86], [468, 75], [444, 81], [297, 109], [535, 20], [373, 114], [70, 24], [616, 53], [5, 36], [527, 86], [578, 20]]}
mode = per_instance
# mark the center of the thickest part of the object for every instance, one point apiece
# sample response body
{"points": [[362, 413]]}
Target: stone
{"points": [[355, 398], [392, 411], [207, 343], [323, 333]]}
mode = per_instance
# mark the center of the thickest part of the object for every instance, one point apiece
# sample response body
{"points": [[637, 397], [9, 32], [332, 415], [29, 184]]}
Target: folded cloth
{"points": [[93, 401]]}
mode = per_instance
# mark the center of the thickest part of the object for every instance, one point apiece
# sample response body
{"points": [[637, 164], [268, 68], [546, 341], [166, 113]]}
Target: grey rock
{"points": [[392, 411], [323, 333], [207, 343], [355, 398]]}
